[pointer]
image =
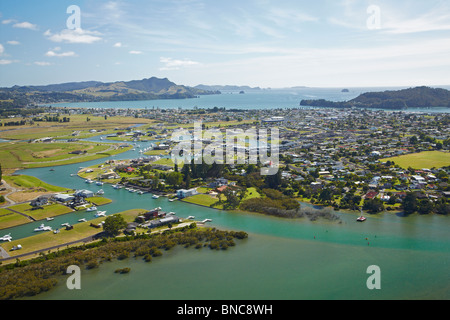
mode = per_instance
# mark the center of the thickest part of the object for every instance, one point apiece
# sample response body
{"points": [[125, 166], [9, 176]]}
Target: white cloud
{"points": [[174, 64], [25, 25], [117, 45], [52, 53], [42, 63], [2, 49], [5, 61], [135, 52], [13, 42], [8, 21], [74, 36]]}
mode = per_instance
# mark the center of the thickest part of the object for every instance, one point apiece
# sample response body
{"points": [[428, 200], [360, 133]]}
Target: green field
{"points": [[33, 155], [29, 182], [49, 239], [422, 160], [10, 219], [203, 200]]}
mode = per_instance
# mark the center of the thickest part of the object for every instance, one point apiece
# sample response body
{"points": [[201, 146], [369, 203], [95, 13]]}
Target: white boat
{"points": [[361, 219], [82, 220], [140, 192], [6, 237], [56, 231], [191, 217], [206, 220], [89, 181], [92, 209], [65, 224], [171, 200], [171, 213], [99, 183], [42, 227], [49, 219], [155, 196], [131, 190], [100, 214], [100, 192]]}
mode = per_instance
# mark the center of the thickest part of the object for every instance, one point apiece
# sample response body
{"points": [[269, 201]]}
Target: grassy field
{"points": [[203, 200], [422, 160], [32, 155], [10, 219], [51, 210], [49, 239], [77, 123], [31, 183]]}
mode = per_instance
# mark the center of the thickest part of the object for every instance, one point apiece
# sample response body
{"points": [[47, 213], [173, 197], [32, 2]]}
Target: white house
{"points": [[183, 193]]}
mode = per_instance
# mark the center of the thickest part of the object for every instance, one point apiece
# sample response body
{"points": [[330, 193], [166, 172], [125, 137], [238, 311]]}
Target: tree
{"points": [[174, 179], [114, 224], [410, 203]]}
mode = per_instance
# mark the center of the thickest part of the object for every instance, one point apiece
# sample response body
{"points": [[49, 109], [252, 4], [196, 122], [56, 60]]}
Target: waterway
{"points": [[281, 259]]}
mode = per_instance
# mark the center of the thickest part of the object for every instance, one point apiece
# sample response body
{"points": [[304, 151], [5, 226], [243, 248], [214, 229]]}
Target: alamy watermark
{"points": [[234, 146], [74, 21], [374, 281], [374, 20]]}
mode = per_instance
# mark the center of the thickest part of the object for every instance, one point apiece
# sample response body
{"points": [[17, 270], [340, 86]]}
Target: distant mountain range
{"points": [[225, 88], [419, 97], [93, 91]]}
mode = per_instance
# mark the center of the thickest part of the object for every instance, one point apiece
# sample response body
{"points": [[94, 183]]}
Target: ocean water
{"points": [[251, 100]]}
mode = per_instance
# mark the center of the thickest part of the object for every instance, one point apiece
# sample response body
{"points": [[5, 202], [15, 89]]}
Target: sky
{"points": [[283, 43]]}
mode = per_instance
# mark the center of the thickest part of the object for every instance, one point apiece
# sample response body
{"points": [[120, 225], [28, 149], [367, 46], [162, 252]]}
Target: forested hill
{"points": [[93, 91], [419, 97]]}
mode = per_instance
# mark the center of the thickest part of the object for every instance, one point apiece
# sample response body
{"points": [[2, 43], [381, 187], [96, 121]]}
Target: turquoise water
{"points": [[254, 99], [282, 259]]}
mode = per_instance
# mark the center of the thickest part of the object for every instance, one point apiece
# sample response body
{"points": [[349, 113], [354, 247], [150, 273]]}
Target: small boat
{"points": [[82, 220], [191, 217], [140, 192], [99, 183], [361, 219], [94, 208], [88, 181], [42, 227], [171, 213], [6, 238], [49, 219], [131, 190], [100, 192], [155, 196], [171, 200], [206, 220], [100, 214], [64, 224], [56, 231]]}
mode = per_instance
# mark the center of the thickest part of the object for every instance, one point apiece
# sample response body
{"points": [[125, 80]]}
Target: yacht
{"points": [[99, 183], [82, 220], [94, 208], [49, 219], [65, 224], [6, 238], [88, 181], [155, 196], [100, 192], [100, 214], [43, 228], [140, 192]]}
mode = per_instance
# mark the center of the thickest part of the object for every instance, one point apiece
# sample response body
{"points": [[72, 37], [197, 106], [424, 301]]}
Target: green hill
{"points": [[419, 97]]}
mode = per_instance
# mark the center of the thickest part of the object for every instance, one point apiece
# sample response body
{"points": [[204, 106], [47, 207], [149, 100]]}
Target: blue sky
{"points": [[323, 43]]}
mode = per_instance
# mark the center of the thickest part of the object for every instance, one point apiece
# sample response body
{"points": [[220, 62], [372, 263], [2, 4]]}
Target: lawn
{"points": [[51, 210], [49, 239], [28, 182], [422, 160], [10, 219], [202, 199]]}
